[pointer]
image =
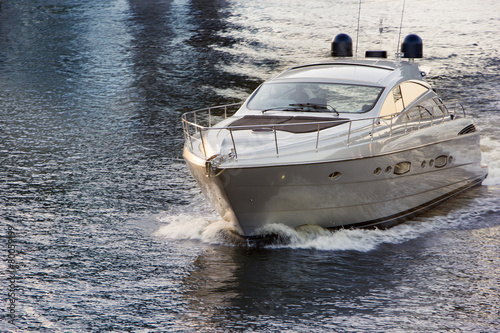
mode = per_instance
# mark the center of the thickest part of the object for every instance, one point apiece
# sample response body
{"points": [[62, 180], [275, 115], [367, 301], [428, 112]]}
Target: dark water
{"points": [[104, 230]]}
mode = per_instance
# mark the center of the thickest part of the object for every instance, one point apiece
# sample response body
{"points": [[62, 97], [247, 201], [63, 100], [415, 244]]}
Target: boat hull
{"points": [[372, 191]]}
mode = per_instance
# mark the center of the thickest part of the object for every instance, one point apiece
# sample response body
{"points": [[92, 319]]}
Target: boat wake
{"points": [[212, 230], [491, 156], [363, 240], [199, 223]]}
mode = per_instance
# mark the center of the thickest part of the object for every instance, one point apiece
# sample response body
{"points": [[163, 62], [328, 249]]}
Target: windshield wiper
{"points": [[291, 107], [317, 107]]}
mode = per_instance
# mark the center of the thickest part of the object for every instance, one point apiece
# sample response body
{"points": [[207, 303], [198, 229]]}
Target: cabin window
{"points": [[436, 107], [389, 107], [425, 109], [398, 99], [411, 91], [401, 96]]}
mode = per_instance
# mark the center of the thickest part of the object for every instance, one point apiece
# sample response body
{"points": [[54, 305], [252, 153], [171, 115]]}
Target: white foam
{"points": [[315, 237], [491, 156], [183, 227], [207, 227], [197, 222]]}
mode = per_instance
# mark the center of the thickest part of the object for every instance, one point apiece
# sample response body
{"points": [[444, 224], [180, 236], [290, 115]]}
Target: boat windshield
{"points": [[300, 96]]}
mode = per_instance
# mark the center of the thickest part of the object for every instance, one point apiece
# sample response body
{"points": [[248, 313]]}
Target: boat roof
{"points": [[370, 72]]}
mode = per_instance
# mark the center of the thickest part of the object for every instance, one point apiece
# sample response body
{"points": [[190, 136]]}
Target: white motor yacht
{"points": [[340, 144]]}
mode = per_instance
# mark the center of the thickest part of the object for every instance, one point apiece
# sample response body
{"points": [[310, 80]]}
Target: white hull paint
{"points": [[305, 194]]}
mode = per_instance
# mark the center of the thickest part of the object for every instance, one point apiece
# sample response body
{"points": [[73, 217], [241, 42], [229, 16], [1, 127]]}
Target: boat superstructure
{"points": [[344, 143]]}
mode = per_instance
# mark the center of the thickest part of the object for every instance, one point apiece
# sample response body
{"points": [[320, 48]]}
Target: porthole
{"points": [[401, 168], [388, 169], [431, 163], [377, 171], [335, 175], [423, 165], [441, 161]]}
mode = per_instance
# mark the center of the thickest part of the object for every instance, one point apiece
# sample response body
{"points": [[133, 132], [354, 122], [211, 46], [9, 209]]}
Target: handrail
{"points": [[197, 123]]}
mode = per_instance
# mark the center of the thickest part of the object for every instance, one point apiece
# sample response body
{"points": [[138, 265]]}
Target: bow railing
{"points": [[197, 124]]}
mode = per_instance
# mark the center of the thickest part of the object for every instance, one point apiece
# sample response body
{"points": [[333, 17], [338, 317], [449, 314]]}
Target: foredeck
{"points": [[302, 124]]}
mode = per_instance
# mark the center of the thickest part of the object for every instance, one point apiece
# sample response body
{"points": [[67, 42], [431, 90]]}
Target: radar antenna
{"points": [[357, 32], [398, 55], [380, 30]]}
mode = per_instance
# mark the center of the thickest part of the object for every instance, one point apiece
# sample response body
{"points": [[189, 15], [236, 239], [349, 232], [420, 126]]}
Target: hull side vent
{"points": [[468, 129]]}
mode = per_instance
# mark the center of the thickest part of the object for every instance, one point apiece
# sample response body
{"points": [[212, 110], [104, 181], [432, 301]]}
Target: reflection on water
{"points": [[91, 96], [255, 289], [235, 288]]}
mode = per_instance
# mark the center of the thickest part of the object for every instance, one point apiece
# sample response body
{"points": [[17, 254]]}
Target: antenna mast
{"points": [[357, 33], [400, 27]]}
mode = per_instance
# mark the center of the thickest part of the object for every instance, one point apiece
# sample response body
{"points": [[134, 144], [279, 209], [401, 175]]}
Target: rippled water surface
{"points": [[103, 229]]}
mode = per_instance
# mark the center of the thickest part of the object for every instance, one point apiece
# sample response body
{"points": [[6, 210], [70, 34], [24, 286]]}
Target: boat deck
{"points": [[304, 124]]}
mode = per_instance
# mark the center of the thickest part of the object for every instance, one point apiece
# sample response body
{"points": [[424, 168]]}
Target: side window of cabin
{"points": [[439, 108], [398, 99], [402, 96], [431, 109], [425, 109], [411, 91]]}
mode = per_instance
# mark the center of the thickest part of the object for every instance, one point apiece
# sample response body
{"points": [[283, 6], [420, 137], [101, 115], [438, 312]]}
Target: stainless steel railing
{"points": [[196, 124]]}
